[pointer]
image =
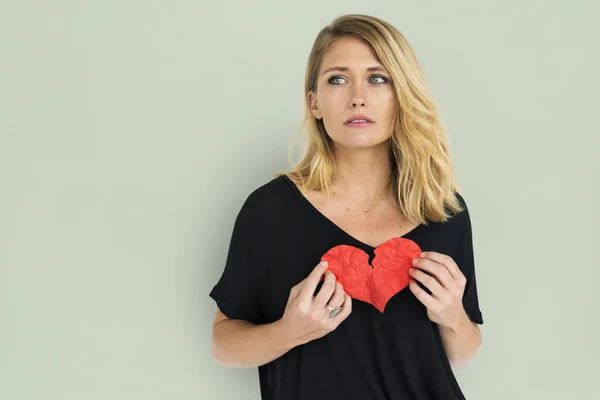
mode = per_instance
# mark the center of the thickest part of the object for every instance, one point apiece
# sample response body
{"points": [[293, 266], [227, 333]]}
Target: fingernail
{"points": [[415, 261], [323, 263]]}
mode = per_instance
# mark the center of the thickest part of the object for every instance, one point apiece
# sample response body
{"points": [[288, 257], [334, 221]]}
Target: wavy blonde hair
{"points": [[422, 169]]}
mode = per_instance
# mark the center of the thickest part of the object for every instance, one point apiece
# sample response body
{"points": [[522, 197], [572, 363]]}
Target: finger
{"points": [[446, 261], [337, 298], [437, 270], [426, 299], [346, 311], [309, 284], [326, 290], [429, 282]]}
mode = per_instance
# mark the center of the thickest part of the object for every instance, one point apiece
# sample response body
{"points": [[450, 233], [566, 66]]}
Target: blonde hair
{"points": [[422, 170]]}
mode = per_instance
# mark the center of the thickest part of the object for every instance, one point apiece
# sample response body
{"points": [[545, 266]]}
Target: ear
{"points": [[314, 105]]}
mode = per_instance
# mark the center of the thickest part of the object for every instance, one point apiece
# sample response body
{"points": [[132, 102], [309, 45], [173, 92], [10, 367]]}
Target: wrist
{"points": [[283, 335], [459, 322]]}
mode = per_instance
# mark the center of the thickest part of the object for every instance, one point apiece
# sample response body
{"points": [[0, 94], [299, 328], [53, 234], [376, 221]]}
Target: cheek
{"points": [[331, 105], [387, 103]]}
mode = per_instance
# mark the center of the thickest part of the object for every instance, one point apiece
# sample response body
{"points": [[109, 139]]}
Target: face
{"points": [[351, 81]]}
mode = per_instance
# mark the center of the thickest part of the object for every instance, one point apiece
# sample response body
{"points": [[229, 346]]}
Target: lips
{"points": [[358, 123], [358, 118]]}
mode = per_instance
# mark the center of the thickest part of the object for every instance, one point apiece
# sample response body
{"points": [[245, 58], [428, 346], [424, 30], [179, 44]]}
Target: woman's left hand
{"points": [[446, 283]]}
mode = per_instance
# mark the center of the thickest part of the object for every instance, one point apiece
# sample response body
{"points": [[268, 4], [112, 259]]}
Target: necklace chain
{"points": [[381, 198]]}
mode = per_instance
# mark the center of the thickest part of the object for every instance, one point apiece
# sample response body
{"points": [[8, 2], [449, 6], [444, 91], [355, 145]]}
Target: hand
{"points": [[446, 283], [306, 316]]}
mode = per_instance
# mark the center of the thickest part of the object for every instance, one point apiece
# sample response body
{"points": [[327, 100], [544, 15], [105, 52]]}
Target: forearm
{"points": [[461, 341], [239, 343]]}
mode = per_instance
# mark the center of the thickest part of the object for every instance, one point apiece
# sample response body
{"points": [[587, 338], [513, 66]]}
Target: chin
{"points": [[363, 142]]}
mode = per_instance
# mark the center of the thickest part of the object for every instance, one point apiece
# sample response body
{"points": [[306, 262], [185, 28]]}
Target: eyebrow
{"points": [[344, 69]]}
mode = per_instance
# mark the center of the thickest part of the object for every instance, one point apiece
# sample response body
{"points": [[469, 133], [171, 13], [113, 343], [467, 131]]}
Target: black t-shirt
{"points": [[278, 239]]}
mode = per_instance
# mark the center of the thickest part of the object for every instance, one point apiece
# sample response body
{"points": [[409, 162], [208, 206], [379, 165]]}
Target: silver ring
{"points": [[335, 311], [330, 308]]}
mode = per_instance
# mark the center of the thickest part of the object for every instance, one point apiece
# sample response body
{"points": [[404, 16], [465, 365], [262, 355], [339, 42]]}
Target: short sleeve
{"points": [[236, 292], [467, 266]]}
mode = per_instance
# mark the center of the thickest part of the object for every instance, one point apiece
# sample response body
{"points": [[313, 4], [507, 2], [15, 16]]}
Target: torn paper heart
{"points": [[378, 284]]}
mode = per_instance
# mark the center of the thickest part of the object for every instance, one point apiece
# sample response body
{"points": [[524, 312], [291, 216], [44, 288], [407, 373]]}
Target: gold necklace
{"points": [[385, 185]]}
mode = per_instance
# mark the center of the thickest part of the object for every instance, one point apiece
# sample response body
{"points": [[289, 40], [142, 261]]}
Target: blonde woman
{"points": [[377, 167]]}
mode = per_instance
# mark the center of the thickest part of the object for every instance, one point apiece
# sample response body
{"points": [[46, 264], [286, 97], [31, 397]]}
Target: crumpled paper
{"points": [[375, 285]]}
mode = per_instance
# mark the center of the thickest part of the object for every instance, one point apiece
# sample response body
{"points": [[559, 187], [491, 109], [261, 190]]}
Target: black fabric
{"points": [[278, 238]]}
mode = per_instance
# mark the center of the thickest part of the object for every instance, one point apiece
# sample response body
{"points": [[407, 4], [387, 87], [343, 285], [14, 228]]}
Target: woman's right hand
{"points": [[306, 316]]}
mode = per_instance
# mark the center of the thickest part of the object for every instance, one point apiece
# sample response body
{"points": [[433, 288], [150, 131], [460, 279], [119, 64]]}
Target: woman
{"points": [[377, 167]]}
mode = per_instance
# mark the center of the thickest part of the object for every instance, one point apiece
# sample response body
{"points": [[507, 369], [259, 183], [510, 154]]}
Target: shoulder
{"points": [[460, 222], [457, 221], [267, 198], [463, 214], [269, 192]]}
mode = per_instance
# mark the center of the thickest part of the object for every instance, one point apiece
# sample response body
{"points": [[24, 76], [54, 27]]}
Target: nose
{"points": [[358, 97], [359, 102]]}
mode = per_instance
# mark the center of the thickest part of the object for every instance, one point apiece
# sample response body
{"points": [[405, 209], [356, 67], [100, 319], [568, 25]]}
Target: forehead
{"points": [[349, 52]]}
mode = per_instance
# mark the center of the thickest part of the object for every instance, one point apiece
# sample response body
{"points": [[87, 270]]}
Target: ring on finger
{"points": [[334, 311]]}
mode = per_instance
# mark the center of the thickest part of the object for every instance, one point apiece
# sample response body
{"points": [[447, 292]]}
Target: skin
{"points": [[361, 153], [362, 86], [440, 274], [239, 343]]}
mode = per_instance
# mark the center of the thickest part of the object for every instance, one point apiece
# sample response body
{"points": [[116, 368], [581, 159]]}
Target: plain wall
{"points": [[132, 131]]}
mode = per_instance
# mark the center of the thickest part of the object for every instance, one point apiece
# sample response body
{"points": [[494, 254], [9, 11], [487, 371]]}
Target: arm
{"points": [[461, 337], [461, 340], [239, 343]]}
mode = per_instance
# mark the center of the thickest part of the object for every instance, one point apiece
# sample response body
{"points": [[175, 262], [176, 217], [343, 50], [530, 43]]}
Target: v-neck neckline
{"points": [[336, 227]]}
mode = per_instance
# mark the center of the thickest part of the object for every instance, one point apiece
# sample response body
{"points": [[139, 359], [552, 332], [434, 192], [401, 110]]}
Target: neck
{"points": [[362, 174]]}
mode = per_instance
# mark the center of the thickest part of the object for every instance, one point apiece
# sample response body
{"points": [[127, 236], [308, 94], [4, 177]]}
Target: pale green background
{"points": [[132, 131]]}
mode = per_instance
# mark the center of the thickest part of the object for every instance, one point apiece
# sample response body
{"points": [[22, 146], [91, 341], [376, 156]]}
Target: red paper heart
{"points": [[378, 284]]}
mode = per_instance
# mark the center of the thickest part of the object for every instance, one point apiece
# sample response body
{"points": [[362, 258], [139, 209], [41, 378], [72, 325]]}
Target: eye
{"points": [[331, 80], [383, 78]]}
